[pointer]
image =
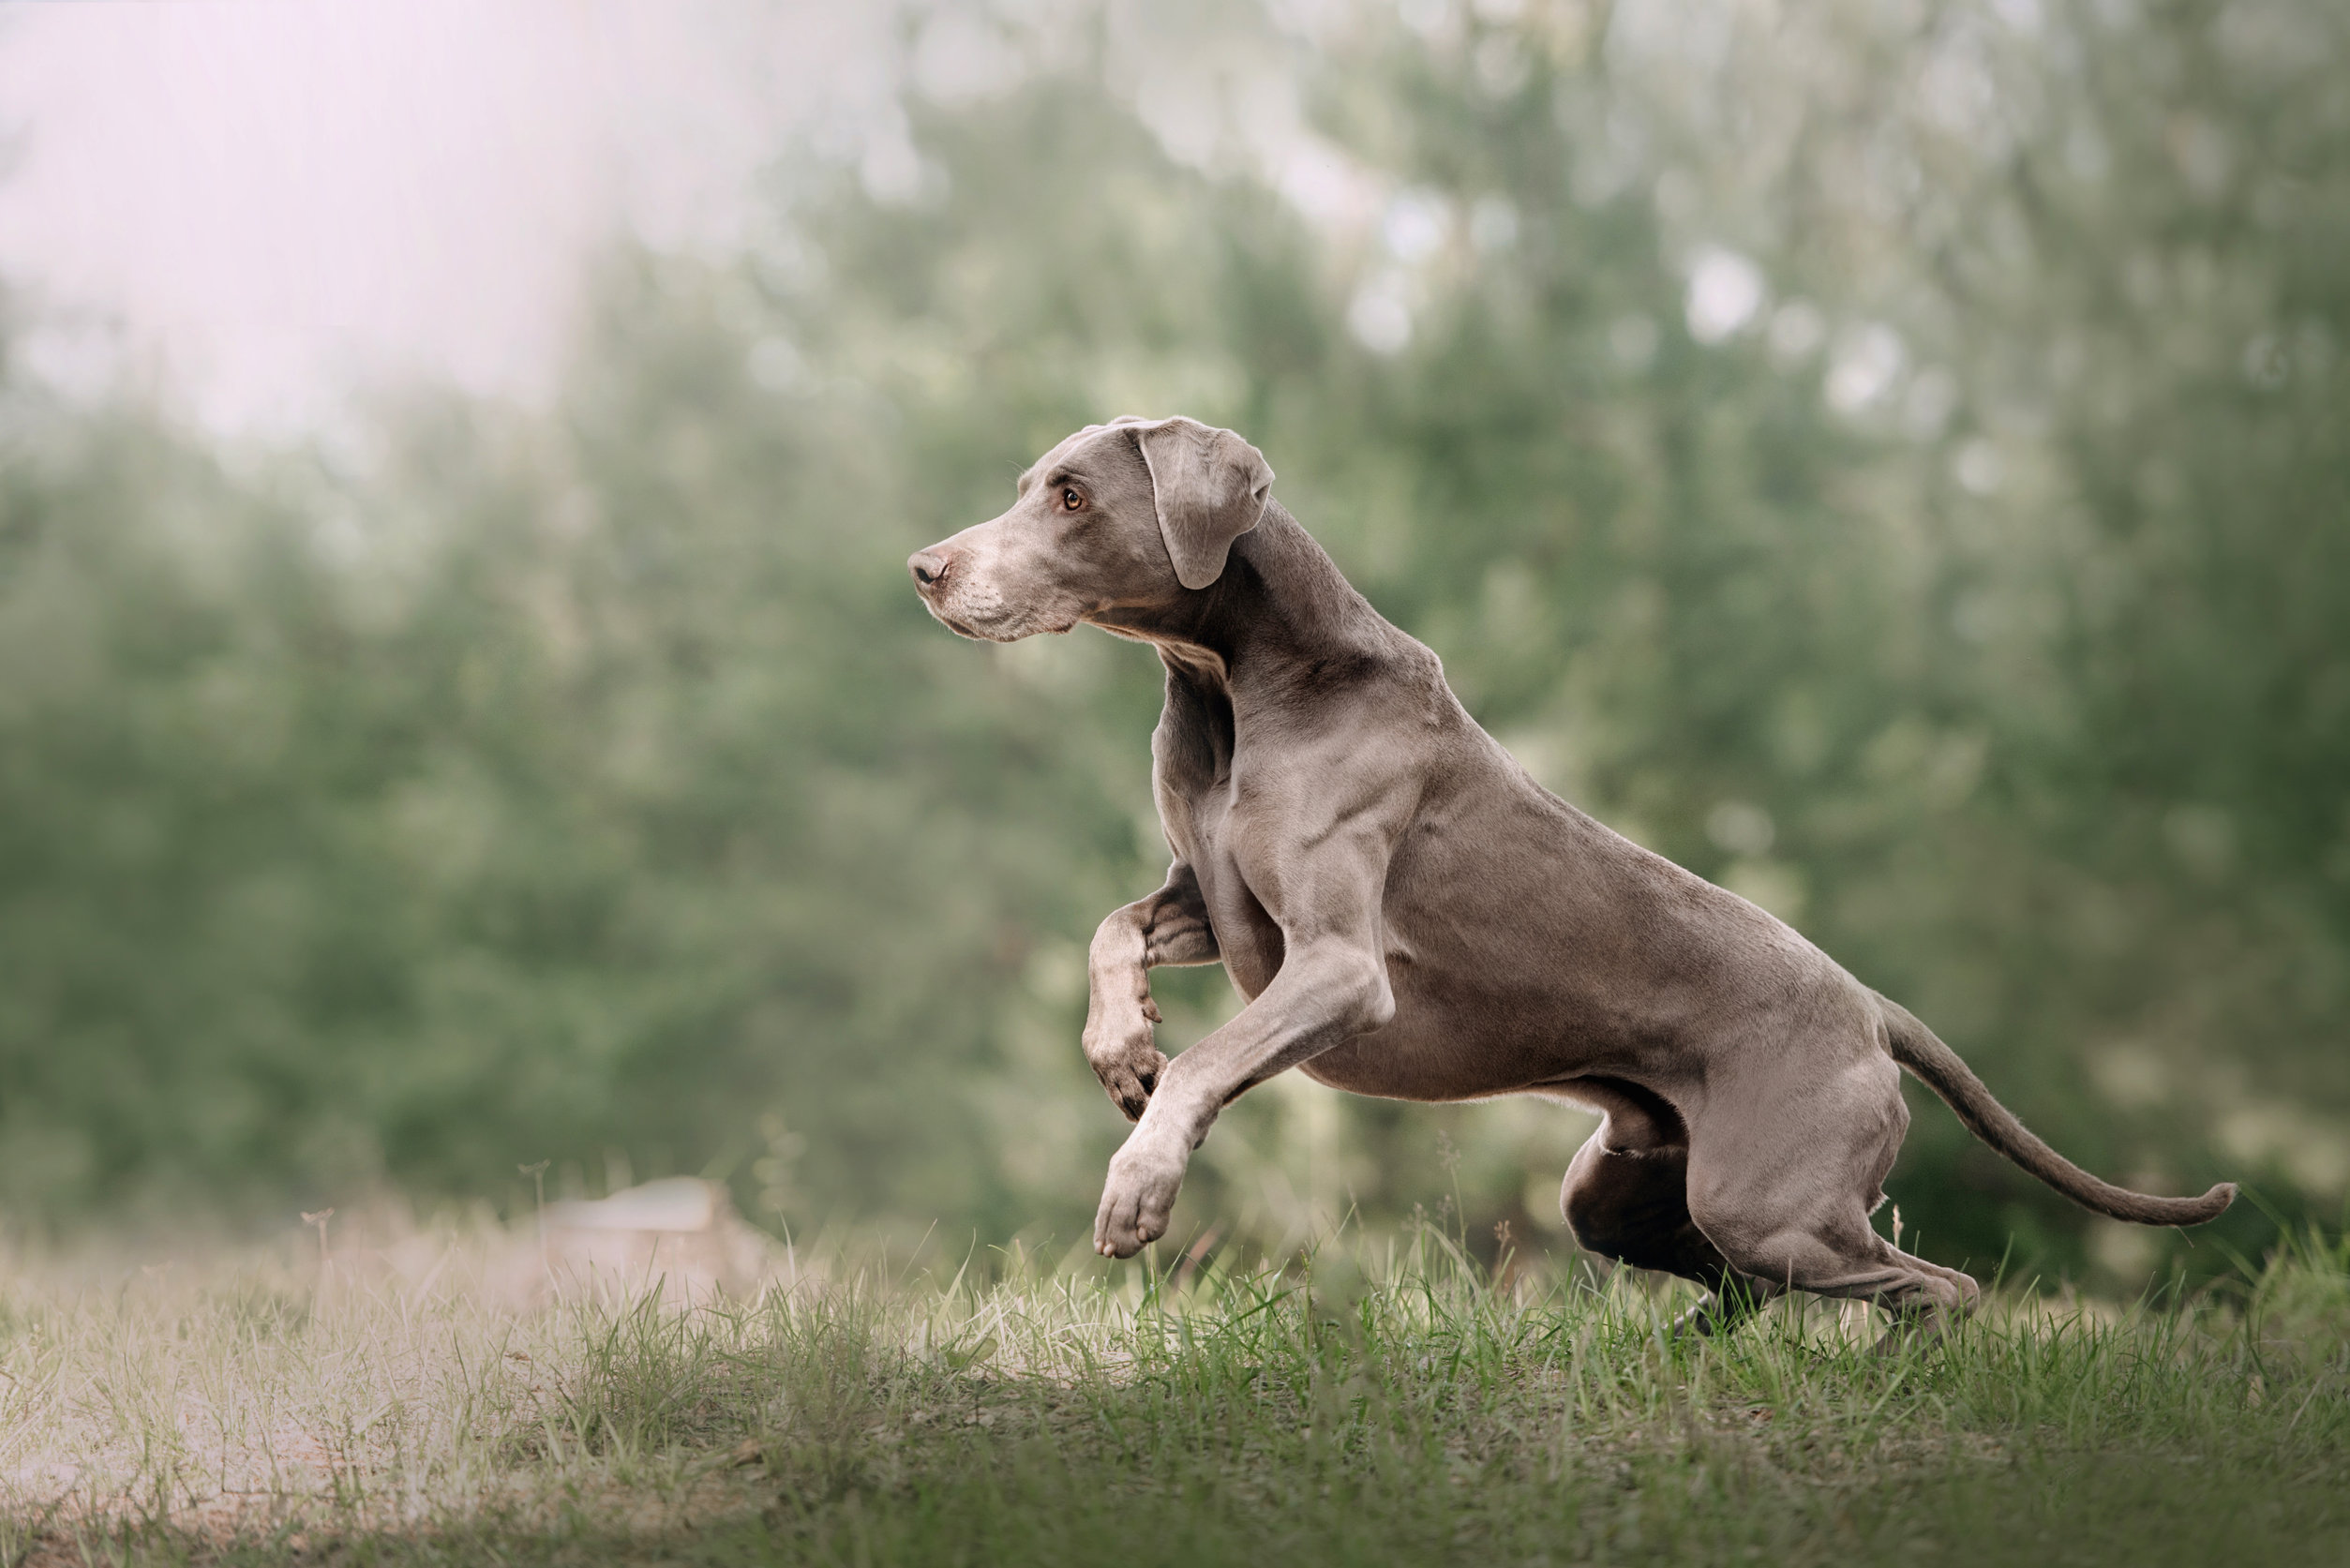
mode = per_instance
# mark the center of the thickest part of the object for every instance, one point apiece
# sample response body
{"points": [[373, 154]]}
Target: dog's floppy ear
{"points": [[1211, 488]]}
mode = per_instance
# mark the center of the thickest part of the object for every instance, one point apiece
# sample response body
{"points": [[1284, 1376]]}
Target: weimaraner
{"points": [[1409, 915]]}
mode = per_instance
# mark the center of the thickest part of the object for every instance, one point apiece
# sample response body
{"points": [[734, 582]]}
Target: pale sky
{"points": [[276, 201], [263, 206]]}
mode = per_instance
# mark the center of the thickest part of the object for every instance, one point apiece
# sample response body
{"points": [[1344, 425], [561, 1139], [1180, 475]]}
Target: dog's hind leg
{"points": [[1783, 1173], [1625, 1197]]}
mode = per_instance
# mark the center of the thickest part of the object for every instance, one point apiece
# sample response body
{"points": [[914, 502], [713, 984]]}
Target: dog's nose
{"points": [[929, 566]]}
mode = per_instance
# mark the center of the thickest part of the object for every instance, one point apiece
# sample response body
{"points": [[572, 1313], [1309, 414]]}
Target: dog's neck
{"points": [[1281, 605]]}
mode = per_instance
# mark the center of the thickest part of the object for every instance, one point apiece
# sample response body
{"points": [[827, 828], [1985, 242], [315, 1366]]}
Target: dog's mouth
{"points": [[961, 626], [1011, 629]]}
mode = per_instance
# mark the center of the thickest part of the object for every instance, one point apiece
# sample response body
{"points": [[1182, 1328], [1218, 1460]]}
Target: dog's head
{"points": [[1124, 516]]}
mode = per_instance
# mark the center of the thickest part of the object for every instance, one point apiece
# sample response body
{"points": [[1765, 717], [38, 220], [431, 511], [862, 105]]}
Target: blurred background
{"points": [[461, 704]]}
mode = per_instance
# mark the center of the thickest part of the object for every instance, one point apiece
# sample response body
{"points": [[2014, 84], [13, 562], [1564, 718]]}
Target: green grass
{"points": [[1388, 1403]]}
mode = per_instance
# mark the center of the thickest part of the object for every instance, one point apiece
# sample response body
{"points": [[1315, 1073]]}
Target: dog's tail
{"points": [[1938, 1066]]}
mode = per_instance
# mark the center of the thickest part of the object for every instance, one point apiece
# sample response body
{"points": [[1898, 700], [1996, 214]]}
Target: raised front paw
{"points": [[1127, 1061], [1136, 1200]]}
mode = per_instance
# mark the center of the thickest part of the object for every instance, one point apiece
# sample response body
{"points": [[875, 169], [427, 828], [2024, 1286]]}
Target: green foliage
{"points": [[504, 786]]}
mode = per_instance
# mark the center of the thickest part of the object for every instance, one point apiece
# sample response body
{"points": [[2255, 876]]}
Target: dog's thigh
{"points": [[1783, 1171]]}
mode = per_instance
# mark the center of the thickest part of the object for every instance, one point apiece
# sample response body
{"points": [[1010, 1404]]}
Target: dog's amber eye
{"points": [[1072, 500]]}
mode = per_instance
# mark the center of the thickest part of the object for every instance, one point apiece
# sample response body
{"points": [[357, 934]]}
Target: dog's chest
{"points": [[1246, 935], [1203, 827]]}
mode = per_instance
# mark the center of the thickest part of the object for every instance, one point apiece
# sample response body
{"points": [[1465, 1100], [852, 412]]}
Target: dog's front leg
{"points": [[1326, 993], [1169, 927]]}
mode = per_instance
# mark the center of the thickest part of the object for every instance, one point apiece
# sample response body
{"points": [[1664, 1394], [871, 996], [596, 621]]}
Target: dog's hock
{"points": [[1210, 487]]}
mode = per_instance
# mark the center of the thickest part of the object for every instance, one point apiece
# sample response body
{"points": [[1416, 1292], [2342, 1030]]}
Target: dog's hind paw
{"points": [[1716, 1313]]}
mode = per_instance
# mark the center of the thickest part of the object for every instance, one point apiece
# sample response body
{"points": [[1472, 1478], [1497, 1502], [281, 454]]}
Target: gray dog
{"points": [[1410, 914]]}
